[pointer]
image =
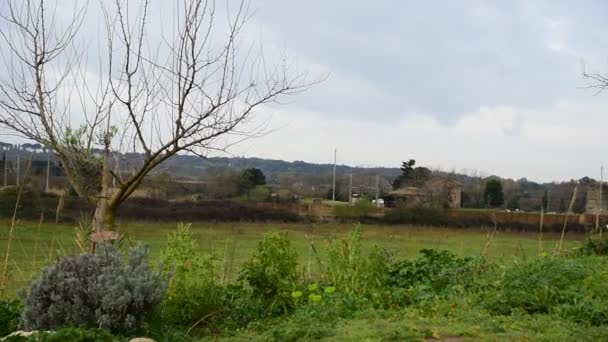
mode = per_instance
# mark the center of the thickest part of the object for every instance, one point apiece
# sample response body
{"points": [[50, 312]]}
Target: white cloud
{"points": [[554, 143]]}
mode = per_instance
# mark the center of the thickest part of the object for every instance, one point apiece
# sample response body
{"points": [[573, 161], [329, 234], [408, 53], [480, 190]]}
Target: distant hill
{"points": [[315, 180]]}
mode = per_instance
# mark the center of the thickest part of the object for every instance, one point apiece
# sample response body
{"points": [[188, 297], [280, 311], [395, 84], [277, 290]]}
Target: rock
{"points": [[20, 333], [141, 339], [23, 333]]}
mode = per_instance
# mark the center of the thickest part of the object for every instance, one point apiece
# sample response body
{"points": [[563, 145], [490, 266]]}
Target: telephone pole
{"points": [[333, 188], [601, 206], [377, 189], [48, 172], [18, 165], [5, 169], [350, 189]]}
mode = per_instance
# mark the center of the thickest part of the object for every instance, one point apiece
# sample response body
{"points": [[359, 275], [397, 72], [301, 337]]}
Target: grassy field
{"points": [[35, 245]]}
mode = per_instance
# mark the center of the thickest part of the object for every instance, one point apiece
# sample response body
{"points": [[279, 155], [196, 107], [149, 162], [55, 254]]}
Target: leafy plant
{"points": [[272, 271], [349, 270], [345, 261], [540, 286], [95, 290], [192, 293], [595, 245], [9, 316], [436, 271]]}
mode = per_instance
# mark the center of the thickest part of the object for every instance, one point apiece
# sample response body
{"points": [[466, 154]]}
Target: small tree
{"points": [[411, 176], [250, 178], [493, 194]]}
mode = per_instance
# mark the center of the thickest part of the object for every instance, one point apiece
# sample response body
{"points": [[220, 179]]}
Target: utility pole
{"points": [[5, 169], [333, 188], [350, 189], [601, 206], [377, 189], [48, 172], [18, 166]]}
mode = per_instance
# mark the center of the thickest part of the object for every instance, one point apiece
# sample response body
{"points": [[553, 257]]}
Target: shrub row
{"points": [[430, 216], [32, 204]]}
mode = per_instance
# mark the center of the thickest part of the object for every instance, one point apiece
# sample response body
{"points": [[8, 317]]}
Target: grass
{"points": [[34, 245], [457, 317], [469, 325]]}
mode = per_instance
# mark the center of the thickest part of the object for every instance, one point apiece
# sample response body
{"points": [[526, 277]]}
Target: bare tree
{"points": [[183, 94], [597, 81]]}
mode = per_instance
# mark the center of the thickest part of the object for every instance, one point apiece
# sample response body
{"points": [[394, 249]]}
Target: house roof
{"points": [[407, 192]]}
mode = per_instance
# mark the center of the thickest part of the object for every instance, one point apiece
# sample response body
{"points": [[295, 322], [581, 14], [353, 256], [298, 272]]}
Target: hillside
{"points": [[314, 180]]}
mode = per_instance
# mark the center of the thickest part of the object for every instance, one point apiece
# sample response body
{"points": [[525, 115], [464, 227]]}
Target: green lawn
{"points": [[34, 246]]}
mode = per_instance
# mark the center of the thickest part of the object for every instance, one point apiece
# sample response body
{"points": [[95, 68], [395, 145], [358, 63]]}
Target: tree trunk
{"points": [[104, 211], [105, 216]]}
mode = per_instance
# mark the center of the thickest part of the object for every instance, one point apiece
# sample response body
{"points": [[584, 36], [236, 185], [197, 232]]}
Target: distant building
{"points": [[437, 191], [593, 205]]}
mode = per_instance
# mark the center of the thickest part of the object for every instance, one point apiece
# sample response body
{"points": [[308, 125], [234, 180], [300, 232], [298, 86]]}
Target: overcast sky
{"points": [[489, 85], [493, 86]]}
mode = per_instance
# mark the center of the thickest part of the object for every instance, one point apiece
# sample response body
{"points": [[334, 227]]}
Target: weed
{"points": [[192, 293], [272, 271]]}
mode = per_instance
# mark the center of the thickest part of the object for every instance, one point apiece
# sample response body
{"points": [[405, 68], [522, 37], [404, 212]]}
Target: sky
{"points": [[490, 87]]}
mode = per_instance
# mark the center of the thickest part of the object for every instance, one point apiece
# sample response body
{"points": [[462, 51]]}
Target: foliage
{"points": [[260, 193], [358, 292], [411, 176], [360, 209], [349, 270], [31, 203], [225, 211], [569, 287], [9, 316], [250, 178], [192, 292], [272, 271], [69, 334], [79, 161], [493, 194], [417, 215], [595, 245], [96, 290], [435, 272]]}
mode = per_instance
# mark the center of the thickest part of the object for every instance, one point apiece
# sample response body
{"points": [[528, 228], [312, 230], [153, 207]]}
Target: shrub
{"points": [[96, 290], [361, 209], [192, 293], [207, 210], [348, 269], [272, 271], [593, 246], [436, 271], [9, 316], [31, 203], [417, 215], [540, 286]]}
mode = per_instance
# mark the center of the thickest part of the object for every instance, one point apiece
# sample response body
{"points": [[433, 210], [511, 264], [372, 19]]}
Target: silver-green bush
{"points": [[97, 290]]}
